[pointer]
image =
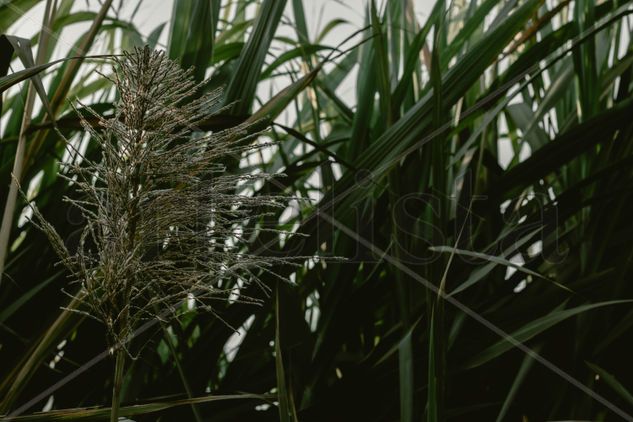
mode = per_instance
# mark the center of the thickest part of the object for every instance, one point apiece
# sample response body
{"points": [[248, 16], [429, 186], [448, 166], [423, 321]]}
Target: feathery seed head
{"points": [[163, 219]]}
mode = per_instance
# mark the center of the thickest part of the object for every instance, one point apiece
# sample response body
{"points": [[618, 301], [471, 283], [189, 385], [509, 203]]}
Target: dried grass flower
{"points": [[164, 220]]}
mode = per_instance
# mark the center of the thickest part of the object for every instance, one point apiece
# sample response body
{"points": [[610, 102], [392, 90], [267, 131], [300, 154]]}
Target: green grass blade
{"points": [[612, 382], [525, 367], [242, 86], [533, 328]]}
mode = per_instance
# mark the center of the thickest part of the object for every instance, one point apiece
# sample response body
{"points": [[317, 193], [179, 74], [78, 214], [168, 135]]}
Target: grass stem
{"points": [[116, 386]]}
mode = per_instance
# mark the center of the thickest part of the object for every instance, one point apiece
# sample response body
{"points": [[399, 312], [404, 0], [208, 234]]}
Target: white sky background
{"points": [[152, 13]]}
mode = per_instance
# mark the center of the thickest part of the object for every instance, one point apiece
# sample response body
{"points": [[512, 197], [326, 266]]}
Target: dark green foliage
{"points": [[485, 156]]}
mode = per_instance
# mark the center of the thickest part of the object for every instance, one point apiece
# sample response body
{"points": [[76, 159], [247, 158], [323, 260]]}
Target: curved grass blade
{"points": [[102, 413], [612, 382], [534, 328], [241, 89]]}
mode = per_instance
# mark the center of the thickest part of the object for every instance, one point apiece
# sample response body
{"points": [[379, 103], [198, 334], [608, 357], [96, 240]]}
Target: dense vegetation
{"points": [[479, 185]]}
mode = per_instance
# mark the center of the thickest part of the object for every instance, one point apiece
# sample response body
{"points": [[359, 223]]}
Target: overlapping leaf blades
{"points": [[534, 100]]}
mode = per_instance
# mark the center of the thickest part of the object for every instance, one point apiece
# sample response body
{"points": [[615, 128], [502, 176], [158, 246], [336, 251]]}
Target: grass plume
{"points": [[163, 220]]}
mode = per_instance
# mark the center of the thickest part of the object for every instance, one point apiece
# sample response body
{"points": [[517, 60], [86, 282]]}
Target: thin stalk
{"points": [[9, 208], [116, 386]]}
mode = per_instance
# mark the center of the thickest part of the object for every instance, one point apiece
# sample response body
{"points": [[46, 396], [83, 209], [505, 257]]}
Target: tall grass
{"points": [[478, 181]]}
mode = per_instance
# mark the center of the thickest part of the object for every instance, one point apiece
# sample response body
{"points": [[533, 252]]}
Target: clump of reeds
{"points": [[163, 220]]}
